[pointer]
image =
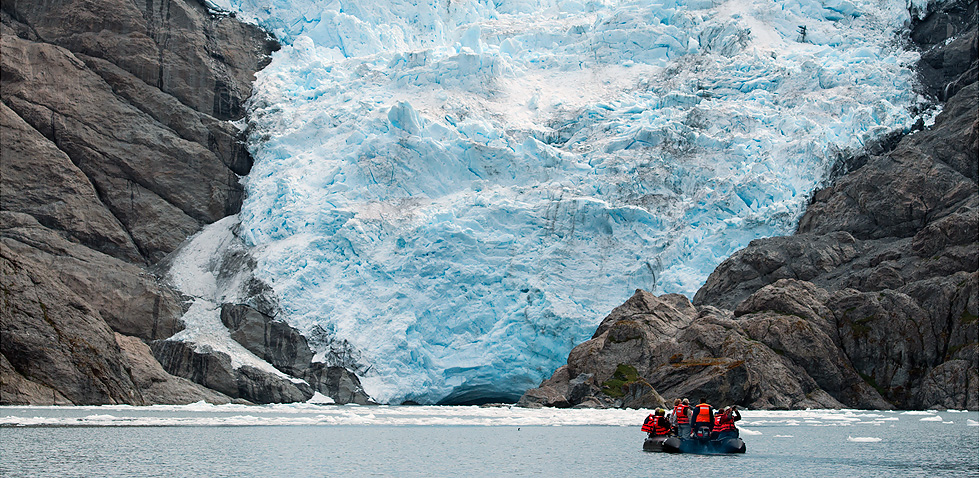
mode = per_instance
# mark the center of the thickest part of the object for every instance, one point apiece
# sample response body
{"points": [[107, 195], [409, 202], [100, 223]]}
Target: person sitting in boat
{"points": [[681, 414], [657, 425], [724, 423], [702, 419]]}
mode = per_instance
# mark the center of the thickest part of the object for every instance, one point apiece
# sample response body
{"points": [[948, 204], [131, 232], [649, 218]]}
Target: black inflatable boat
{"points": [[672, 444]]}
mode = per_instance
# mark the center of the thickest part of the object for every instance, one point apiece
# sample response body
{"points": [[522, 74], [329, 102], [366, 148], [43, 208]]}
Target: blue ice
{"points": [[460, 191]]}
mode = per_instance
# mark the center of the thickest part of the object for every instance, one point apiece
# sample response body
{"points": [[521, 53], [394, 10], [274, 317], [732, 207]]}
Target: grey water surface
{"points": [[907, 446]]}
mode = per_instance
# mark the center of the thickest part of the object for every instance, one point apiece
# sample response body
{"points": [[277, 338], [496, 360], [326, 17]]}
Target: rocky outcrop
{"points": [[155, 384], [288, 351], [871, 304], [117, 145], [214, 370], [665, 346]]}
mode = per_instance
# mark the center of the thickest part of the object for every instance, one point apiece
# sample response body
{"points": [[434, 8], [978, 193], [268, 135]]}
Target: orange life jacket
{"points": [[702, 414], [680, 412]]}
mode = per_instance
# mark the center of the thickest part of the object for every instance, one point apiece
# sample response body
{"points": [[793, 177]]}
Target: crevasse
{"points": [[458, 191]]}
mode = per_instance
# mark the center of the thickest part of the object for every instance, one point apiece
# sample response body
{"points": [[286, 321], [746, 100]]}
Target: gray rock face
{"points": [[946, 67], [214, 370], [287, 350], [271, 340], [871, 304], [652, 347], [336, 382], [155, 384], [116, 147]]}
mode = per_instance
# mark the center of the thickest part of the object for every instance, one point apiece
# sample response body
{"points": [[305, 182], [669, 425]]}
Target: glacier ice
{"points": [[459, 191]]}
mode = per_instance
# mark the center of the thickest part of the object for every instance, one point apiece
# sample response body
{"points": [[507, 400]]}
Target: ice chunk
{"points": [[863, 439]]}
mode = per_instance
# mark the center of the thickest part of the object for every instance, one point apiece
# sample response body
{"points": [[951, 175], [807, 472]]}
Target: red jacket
{"points": [[657, 425], [725, 421]]}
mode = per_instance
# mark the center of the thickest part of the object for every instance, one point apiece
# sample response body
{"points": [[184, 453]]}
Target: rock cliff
{"points": [[871, 304], [120, 140]]}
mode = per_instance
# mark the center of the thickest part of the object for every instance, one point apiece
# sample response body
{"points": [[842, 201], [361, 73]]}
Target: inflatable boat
{"points": [[673, 444]]}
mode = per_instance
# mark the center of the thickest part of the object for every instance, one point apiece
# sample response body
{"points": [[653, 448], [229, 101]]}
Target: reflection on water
{"points": [[304, 440]]}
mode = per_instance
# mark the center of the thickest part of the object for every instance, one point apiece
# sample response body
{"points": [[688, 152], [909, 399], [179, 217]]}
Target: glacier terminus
{"points": [[457, 192]]}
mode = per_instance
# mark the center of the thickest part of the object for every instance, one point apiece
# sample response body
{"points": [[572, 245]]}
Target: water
{"points": [[304, 440]]}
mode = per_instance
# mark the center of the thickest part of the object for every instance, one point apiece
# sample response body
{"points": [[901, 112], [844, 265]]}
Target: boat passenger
{"points": [[657, 425], [671, 415], [681, 411], [702, 418], [725, 427]]}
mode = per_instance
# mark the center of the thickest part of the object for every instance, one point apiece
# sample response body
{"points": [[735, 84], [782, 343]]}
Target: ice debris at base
{"points": [[459, 191], [205, 414], [863, 439]]}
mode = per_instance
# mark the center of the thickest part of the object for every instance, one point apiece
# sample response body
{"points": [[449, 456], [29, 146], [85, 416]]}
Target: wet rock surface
{"points": [[871, 304]]}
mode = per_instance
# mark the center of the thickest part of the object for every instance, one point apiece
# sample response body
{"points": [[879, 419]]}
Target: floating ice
{"points": [[746, 431], [330, 415], [972, 423], [863, 439], [934, 418], [457, 192], [320, 399]]}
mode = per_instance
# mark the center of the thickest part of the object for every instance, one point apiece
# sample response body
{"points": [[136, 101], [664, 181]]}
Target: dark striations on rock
{"points": [[117, 145], [871, 304], [288, 350]]}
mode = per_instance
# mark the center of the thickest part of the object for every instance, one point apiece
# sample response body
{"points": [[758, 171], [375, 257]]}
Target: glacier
{"points": [[457, 192]]}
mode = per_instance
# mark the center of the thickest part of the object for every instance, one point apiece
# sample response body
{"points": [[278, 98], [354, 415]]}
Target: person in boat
{"points": [[657, 425], [724, 423], [702, 417], [681, 414]]}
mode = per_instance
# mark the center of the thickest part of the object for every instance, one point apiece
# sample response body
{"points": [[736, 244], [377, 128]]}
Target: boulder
{"points": [[213, 369], [338, 383], [155, 384], [271, 340]]}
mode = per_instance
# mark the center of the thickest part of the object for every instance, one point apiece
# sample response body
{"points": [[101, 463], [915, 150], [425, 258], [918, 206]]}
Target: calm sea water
{"points": [[311, 441]]}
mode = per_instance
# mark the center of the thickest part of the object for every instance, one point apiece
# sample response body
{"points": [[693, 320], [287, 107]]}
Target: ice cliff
{"points": [[457, 192]]}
